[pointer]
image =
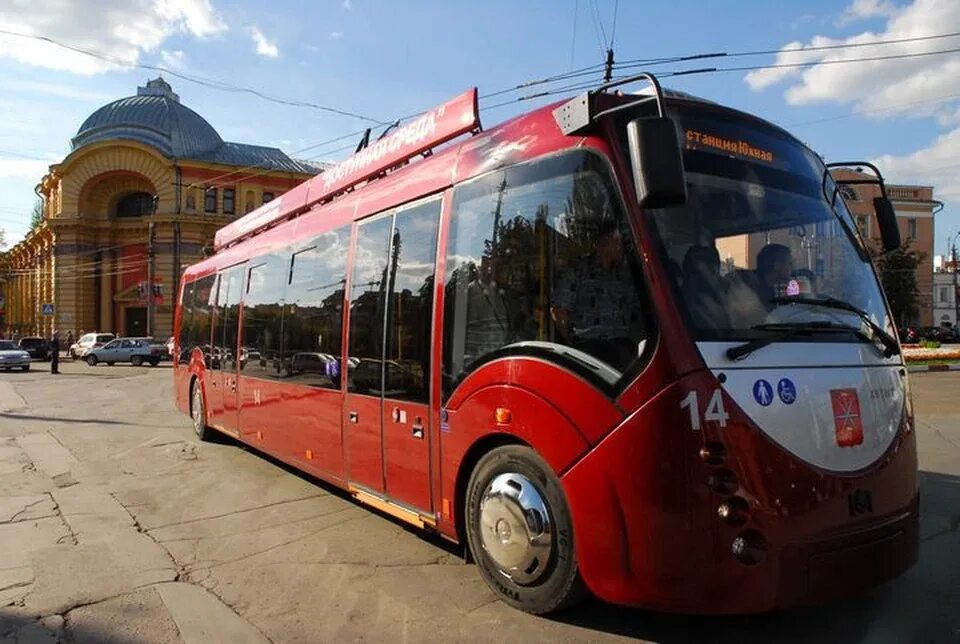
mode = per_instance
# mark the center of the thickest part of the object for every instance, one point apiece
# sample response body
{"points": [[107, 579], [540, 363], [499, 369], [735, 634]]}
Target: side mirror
{"points": [[887, 219], [657, 162]]}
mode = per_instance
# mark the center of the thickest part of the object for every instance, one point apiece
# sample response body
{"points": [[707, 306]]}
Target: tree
{"points": [[898, 274], [36, 217]]}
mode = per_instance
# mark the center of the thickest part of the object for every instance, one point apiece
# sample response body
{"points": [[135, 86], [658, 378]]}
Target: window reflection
{"points": [[540, 261]]}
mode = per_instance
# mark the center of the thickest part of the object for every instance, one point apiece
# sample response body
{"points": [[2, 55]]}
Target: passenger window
{"points": [[260, 350], [540, 261], [407, 375], [367, 299], [313, 313]]}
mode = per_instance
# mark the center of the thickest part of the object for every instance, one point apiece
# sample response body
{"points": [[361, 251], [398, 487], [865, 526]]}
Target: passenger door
{"points": [[223, 377], [387, 416]]}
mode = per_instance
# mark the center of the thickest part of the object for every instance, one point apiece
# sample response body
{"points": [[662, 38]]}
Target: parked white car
{"points": [[88, 341], [13, 357]]}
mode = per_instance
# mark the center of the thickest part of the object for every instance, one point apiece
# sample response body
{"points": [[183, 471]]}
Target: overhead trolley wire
{"points": [[206, 82]]}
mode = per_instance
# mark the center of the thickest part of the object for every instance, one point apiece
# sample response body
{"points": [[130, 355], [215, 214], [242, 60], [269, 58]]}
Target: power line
{"points": [[664, 60], [613, 31], [573, 39], [206, 82], [801, 50]]}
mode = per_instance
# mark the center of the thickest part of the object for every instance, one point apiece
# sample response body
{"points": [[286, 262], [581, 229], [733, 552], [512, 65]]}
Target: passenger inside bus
{"points": [[490, 326], [704, 290], [774, 267], [594, 300]]}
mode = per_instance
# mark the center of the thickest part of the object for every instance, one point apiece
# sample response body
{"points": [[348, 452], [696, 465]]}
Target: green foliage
{"points": [[930, 344], [36, 216], [898, 274]]}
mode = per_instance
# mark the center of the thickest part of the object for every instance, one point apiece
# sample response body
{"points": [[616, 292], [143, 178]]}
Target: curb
{"points": [[933, 367]]}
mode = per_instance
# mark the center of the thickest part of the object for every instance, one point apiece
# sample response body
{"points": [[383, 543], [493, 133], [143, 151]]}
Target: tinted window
{"points": [[367, 298], [186, 315], [228, 201], [7, 346], [228, 310], [541, 262], [210, 200], [313, 313], [260, 352], [196, 318], [414, 246]]}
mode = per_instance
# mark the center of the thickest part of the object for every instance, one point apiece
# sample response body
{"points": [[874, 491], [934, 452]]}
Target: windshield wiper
{"points": [[890, 345], [782, 331]]}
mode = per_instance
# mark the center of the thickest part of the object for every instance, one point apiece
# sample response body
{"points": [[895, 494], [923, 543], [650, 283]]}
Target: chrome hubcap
{"points": [[515, 528], [197, 410]]}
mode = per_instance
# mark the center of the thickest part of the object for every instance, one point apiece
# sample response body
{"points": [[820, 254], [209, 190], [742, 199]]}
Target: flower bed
{"points": [[916, 352]]}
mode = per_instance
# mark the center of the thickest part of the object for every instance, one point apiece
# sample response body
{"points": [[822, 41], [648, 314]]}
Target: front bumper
{"points": [[13, 363]]}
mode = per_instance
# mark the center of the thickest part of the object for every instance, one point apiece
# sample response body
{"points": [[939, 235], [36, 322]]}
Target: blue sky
{"points": [[386, 59]]}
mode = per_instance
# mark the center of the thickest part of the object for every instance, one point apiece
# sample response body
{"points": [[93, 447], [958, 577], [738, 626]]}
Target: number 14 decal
{"points": [[714, 412]]}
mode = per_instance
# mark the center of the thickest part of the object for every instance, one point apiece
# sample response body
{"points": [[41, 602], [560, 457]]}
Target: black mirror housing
{"points": [[887, 219], [657, 162]]}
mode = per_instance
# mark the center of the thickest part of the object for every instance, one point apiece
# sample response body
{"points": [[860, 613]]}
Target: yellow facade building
{"points": [[139, 197]]}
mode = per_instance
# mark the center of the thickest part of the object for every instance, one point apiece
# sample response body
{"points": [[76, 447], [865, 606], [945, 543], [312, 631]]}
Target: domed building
{"points": [[147, 183]]}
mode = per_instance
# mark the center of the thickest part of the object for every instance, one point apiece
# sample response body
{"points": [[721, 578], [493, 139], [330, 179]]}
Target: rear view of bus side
{"points": [[630, 345]]}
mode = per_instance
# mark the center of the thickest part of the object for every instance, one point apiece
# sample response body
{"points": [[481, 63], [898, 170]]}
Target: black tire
{"points": [[154, 362], [26, 367], [198, 412], [136, 361], [92, 361], [554, 584], [110, 364]]}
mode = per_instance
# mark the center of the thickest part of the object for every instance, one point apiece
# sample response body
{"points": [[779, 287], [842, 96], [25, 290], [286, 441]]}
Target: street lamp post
{"points": [[952, 249]]}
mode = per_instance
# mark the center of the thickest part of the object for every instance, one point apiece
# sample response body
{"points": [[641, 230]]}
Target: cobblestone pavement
{"points": [[116, 525]]}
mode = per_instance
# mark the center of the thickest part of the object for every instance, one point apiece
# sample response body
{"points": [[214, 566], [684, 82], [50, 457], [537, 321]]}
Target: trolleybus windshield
{"points": [[756, 230]]}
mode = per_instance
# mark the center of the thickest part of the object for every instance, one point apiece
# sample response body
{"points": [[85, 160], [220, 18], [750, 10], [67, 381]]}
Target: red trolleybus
{"points": [[625, 344]]}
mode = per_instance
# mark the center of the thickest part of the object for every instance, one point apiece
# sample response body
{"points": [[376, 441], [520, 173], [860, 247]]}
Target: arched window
{"points": [[848, 192], [136, 204]]}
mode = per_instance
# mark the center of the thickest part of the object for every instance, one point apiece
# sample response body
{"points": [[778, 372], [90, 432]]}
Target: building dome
{"points": [[154, 117]]}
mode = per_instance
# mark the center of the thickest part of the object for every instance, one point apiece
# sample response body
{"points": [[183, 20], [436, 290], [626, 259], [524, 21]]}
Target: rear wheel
{"points": [[26, 367], [110, 364], [136, 361], [520, 531], [199, 413], [154, 362], [92, 361]]}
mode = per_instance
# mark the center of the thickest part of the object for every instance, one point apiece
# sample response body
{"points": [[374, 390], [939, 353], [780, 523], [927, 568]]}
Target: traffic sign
{"points": [[47, 308]]}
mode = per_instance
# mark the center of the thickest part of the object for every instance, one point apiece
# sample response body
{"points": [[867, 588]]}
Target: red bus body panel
{"points": [[645, 521]]}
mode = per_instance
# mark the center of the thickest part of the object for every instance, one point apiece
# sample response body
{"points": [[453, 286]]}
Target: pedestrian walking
{"points": [[69, 339], [55, 352]]}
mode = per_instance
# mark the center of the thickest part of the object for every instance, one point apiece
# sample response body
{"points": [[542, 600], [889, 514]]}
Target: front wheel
{"points": [[520, 531], [136, 361], [154, 362], [26, 367], [92, 361]]}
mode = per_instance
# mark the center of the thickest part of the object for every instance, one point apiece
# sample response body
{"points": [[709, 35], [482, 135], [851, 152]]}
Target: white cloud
{"points": [[937, 165], [864, 9], [121, 30], [347, 4], [336, 35], [173, 59], [32, 169], [876, 87], [264, 46]]}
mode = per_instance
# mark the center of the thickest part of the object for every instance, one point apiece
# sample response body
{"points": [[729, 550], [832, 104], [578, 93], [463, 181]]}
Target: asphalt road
{"points": [[117, 525]]}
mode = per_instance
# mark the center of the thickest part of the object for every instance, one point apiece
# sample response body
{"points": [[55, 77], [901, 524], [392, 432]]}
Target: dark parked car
{"points": [[38, 348], [949, 334]]}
